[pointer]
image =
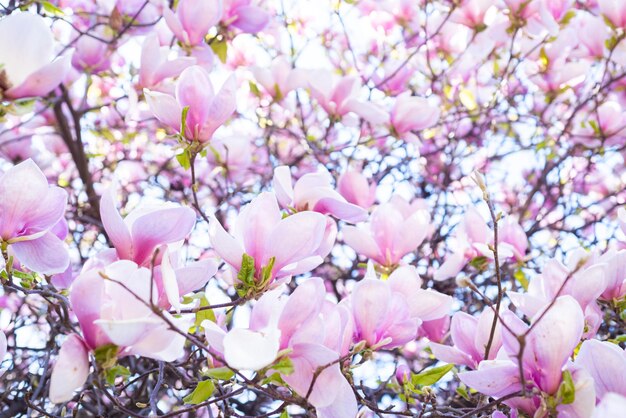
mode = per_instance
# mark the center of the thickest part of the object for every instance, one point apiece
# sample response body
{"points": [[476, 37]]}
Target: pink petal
{"points": [[86, 299], [251, 19], [362, 242], [46, 254], [451, 355], [42, 81], [493, 377], [370, 306], [165, 108], [295, 238], [453, 264], [606, 363], [198, 16], [70, 371], [304, 303], [250, 350], [341, 209], [225, 245], [283, 187], [160, 227], [114, 225], [125, 333]]}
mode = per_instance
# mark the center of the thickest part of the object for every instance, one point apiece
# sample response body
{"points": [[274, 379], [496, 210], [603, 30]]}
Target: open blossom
{"points": [[207, 110], [113, 307], [412, 113], [470, 336], [155, 65], [355, 188], [395, 229], [27, 64], [606, 363], [144, 230], [279, 78], [473, 238], [387, 314], [245, 16], [313, 191], [585, 286], [549, 344], [339, 96], [316, 332], [136, 236], [91, 55], [293, 245], [193, 19], [29, 211]]}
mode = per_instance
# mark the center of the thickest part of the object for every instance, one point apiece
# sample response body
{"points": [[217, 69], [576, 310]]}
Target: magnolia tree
{"points": [[228, 208]]}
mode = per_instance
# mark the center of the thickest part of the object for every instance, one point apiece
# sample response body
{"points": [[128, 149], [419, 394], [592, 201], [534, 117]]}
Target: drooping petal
{"points": [[114, 225], [165, 108], [170, 283], [70, 370], [453, 264], [224, 244], [42, 81], [494, 378]]}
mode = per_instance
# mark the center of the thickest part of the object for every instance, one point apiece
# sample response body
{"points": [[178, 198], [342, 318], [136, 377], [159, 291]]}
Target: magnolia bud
{"points": [[403, 374]]}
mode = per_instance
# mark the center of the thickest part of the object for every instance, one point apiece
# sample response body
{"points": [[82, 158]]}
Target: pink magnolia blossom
{"points": [[339, 96], [395, 229], [313, 331], [412, 113], [471, 13], [29, 210], [585, 286], [297, 243], [615, 271], [387, 314], [193, 19], [245, 16], [27, 64], [615, 11], [155, 66], [470, 336], [313, 191], [91, 55], [207, 110], [356, 189], [136, 236], [473, 238], [113, 307], [606, 363], [279, 78], [548, 347], [70, 371]]}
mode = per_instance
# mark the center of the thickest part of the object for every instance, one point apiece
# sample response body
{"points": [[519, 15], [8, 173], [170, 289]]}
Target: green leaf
{"points": [[220, 48], [430, 376], [567, 390], [283, 366], [183, 120], [462, 391], [183, 159], [51, 8], [480, 263], [266, 272], [544, 60], [204, 314], [220, 373], [246, 272], [568, 17], [284, 414], [254, 89], [201, 393], [106, 355], [113, 372], [520, 276]]}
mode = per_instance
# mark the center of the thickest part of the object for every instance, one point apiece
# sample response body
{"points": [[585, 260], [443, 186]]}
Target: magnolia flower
{"points": [[316, 333], [29, 210], [91, 55], [387, 314], [340, 96], [27, 64], [244, 16], [585, 286], [473, 238], [313, 191], [412, 113], [606, 363], [395, 229], [279, 78], [615, 272], [193, 19], [470, 336], [155, 66], [207, 111], [354, 187], [113, 307], [136, 236], [549, 344], [279, 247]]}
